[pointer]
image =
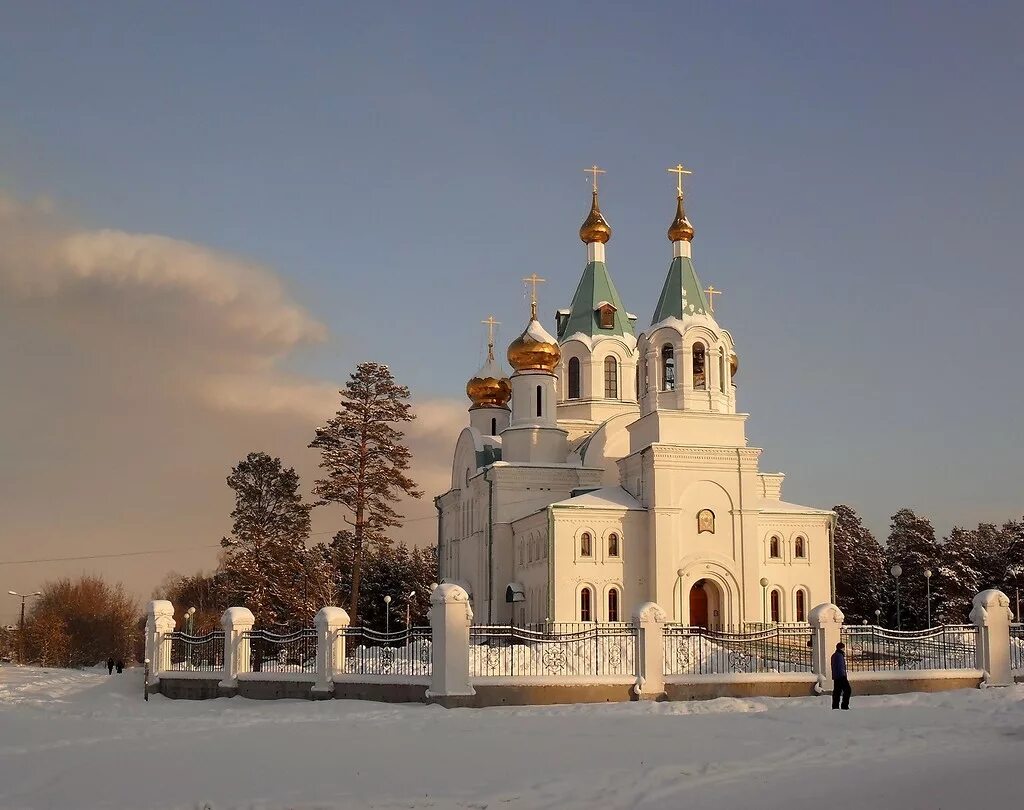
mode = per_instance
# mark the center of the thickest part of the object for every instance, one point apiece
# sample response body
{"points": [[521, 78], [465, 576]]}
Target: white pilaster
{"points": [[826, 632], [450, 618], [992, 616], [236, 621], [651, 657], [330, 647], [159, 622]]}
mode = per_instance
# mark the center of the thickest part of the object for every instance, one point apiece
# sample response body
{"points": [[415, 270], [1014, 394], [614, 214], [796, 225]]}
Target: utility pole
{"points": [[21, 622]]}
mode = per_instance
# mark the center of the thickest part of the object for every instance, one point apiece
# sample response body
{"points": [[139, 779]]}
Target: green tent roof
{"points": [[683, 294], [595, 287]]}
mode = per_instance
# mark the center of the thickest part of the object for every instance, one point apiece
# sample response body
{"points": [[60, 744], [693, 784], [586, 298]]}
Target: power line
{"points": [[108, 556]]}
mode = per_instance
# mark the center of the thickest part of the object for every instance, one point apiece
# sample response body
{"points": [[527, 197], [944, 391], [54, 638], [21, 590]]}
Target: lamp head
{"points": [[896, 570], [927, 573], [387, 600]]}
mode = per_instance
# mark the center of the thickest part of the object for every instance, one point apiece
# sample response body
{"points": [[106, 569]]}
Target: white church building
{"points": [[612, 469]]}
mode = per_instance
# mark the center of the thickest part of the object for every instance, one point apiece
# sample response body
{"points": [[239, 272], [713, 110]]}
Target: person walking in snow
{"points": [[110, 666], [840, 682], [120, 667]]}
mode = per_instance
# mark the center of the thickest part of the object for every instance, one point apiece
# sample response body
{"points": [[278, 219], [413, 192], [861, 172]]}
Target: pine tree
{"points": [[912, 546], [365, 461], [859, 565], [264, 558], [956, 577]]}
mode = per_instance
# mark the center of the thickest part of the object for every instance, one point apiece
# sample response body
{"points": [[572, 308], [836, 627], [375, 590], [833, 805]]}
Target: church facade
{"points": [[611, 468]]}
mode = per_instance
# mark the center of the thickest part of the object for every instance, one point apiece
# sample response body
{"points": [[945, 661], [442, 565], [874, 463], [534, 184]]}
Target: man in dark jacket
{"points": [[110, 666], [841, 683], [120, 668]]}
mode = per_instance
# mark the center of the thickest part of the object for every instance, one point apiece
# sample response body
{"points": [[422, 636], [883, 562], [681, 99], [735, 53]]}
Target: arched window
{"points": [[540, 400], [699, 378], [521, 552], [776, 604], [722, 366], [668, 368], [801, 606], [586, 545], [585, 611], [606, 317], [613, 545], [773, 548], [611, 378], [494, 427], [799, 548], [613, 605], [574, 378]]}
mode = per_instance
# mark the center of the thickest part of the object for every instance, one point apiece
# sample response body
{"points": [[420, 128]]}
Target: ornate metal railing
{"points": [[697, 651], [405, 652], [197, 653], [289, 652], [876, 649], [593, 650], [1017, 647]]}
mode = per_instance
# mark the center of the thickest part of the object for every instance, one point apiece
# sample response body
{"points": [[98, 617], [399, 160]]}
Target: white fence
{"points": [[452, 655]]}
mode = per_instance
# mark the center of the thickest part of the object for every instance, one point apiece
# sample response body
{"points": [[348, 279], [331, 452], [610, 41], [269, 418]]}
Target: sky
{"points": [[209, 213]]}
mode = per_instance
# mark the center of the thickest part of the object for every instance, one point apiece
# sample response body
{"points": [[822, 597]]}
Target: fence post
{"points": [[450, 618], [236, 621], [992, 616], [650, 620], [159, 622], [826, 631], [330, 647]]}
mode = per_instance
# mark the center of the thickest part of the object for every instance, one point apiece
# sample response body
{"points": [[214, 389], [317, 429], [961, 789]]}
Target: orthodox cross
{"points": [[490, 323], [679, 170], [593, 170], [711, 292], [533, 279]]}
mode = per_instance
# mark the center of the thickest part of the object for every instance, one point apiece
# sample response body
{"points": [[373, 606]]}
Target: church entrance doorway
{"points": [[705, 604], [698, 605]]}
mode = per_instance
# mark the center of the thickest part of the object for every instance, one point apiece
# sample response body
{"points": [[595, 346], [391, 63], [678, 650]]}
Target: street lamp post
{"points": [[408, 606], [878, 617], [21, 622], [928, 598], [764, 598], [387, 614], [679, 587], [190, 620], [896, 570]]}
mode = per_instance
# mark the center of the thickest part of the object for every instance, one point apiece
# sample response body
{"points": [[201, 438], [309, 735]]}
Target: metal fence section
{"points": [[697, 651], [1017, 647], [405, 652], [197, 653], [289, 652], [875, 649], [586, 650]]}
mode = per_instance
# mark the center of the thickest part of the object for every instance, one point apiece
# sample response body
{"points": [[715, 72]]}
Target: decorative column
{"points": [[236, 621], [826, 631], [650, 619], [992, 616], [330, 647], [450, 618], [159, 622]]}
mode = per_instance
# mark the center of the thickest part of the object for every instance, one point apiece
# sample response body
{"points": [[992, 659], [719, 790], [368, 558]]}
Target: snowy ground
{"points": [[87, 740]]}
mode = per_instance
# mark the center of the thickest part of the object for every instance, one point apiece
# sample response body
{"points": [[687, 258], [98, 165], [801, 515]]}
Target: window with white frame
{"points": [[613, 544], [586, 545]]}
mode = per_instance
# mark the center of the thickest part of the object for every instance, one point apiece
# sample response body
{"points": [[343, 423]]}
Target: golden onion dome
{"points": [[489, 388], [595, 227], [734, 365], [680, 230], [534, 350]]}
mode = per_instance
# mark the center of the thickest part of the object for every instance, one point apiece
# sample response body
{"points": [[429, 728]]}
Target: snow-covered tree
{"points": [[859, 566], [365, 462], [912, 546], [265, 563]]}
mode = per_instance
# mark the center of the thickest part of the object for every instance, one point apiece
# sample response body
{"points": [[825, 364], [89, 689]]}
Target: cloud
{"points": [[136, 369]]}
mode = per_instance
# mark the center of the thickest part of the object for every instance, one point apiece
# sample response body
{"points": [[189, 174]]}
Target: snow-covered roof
{"points": [[606, 497], [782, 507], [538, 332]]}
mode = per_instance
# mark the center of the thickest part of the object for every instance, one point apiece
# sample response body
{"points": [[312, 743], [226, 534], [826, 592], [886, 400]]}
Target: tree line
{"points": [[962, 564]]}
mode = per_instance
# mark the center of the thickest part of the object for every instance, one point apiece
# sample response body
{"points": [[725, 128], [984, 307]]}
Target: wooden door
{"points": [[698, 605]]}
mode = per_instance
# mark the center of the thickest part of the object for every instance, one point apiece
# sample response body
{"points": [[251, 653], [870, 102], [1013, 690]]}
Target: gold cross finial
{"points": [[595, 171], [533, 279], [679, 170], [490, 323], [711, 292]]}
